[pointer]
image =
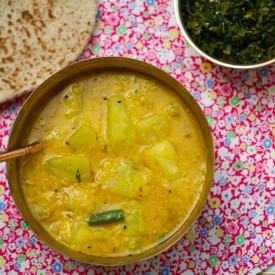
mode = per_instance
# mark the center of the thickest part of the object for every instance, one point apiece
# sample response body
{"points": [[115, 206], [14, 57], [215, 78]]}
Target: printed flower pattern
{"points": [[235, 232]]}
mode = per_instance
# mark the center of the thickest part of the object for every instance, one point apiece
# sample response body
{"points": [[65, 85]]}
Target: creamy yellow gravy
{"points": [[114, 141]]}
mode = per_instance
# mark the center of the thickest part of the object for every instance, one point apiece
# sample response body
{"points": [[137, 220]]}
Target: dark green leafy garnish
{"points": [[239, 32], [78, 176]]}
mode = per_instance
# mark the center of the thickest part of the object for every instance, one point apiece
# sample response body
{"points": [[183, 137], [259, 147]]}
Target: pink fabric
{"points": [[235, 232]]}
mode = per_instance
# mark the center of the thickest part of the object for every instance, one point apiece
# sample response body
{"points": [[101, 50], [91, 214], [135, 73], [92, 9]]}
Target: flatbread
{"points": [[38, 38]]}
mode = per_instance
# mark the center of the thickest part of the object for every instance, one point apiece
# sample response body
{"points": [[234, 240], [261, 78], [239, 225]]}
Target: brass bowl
{"points": [[47, 90], [177, 9]]}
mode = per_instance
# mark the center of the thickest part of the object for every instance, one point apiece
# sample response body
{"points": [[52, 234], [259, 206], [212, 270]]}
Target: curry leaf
{"points": [[78, 176]]}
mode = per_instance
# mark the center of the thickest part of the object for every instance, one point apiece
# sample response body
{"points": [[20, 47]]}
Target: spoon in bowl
{"points": [[21, 152]]}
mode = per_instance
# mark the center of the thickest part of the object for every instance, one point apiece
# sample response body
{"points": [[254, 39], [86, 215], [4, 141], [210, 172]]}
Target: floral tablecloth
{"points": [[235, 232]]}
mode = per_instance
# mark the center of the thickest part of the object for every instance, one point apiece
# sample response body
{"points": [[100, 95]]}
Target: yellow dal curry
{"points": [[122, 167]]}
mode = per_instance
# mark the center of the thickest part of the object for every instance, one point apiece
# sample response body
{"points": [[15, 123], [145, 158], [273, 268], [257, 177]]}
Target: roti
{"points": [[38, 38]]}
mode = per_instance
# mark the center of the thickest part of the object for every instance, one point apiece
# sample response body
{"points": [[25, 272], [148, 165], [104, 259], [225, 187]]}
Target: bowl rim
{"points": [[36, 98], [176, 4]]}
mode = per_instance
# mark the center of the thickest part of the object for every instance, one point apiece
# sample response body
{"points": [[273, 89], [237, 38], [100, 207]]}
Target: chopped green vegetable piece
{"points": [[120, 132], [106, 217], [83, 138], [134, 218], [73, 168], [125, 179], [151, 128], [162, 157], [238, 32], [83, 233], [73, 100]]}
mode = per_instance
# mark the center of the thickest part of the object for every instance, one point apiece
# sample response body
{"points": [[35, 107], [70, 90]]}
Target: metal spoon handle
{"points": [[21, 152]]}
